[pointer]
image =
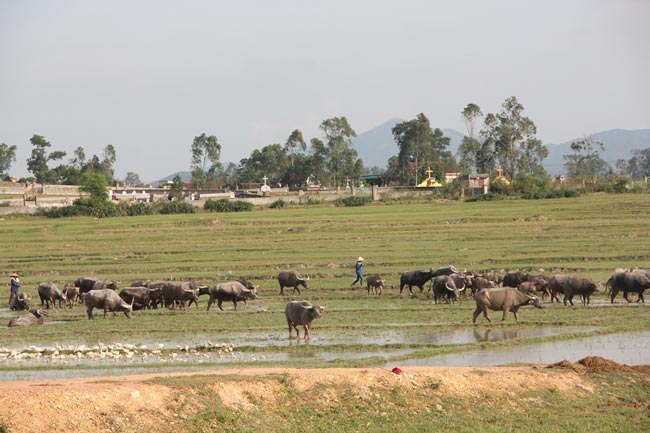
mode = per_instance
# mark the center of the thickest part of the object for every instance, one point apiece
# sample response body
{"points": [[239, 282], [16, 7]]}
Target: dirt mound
{"points": [[597, 364]]}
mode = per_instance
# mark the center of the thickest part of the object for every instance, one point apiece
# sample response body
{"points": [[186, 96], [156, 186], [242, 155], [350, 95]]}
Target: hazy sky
{"points": [[148, 76]]}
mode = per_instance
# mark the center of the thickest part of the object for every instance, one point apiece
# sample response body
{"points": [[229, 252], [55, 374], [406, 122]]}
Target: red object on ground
{"points": [[397, 370]]}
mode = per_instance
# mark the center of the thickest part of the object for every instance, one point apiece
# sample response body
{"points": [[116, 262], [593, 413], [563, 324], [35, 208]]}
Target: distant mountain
{"points": [[377, 145], [618, 143], [186, 176]]}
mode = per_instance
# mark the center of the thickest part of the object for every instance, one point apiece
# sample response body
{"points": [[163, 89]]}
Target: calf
{"points": [[375, 283]]}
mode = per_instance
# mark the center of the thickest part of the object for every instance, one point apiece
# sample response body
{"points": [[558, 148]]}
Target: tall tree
{"points": [[132, 179], [639, 164], [270, 162], [470, 148], [338, 138], [413, 137], [585, 161], [294, 142], [512, 137], [37, 162], [206, 152], [7, 158]]}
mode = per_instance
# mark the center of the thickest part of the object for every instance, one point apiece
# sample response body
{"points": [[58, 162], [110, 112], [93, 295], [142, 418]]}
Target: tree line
{"points": [[505, 139]]}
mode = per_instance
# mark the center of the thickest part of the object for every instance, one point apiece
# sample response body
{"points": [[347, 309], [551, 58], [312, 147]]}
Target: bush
{"points": [[225, 205], [278, 204], [136, 209], [352, 201], [490, 196], [174, 207]]}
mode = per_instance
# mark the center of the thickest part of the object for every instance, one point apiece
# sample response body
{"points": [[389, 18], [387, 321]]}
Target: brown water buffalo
{"points": [[107, 300], [375, 283], [72, 294], [179, 292], [506, 299], [49, 293], [635, 282], [302, 313], [233, 291], [479, 283], [293, 279], [35, 318]]}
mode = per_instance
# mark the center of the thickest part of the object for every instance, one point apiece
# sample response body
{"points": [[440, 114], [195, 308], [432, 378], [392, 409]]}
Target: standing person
{"points": [[15, 285], [359, 271]]}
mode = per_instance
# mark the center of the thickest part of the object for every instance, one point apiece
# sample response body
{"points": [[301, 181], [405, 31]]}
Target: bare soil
{"points": [[137, 403]]}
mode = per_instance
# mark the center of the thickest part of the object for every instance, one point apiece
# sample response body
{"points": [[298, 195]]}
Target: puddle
{"points": [[628, 348]]}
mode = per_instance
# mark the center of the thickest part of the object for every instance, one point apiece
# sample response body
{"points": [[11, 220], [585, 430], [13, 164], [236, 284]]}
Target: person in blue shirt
{"points": [[359, 271], [15, 285]]}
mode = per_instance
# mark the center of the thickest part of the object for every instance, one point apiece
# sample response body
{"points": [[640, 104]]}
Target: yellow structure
{"points": [[429, 182], [500, 177]]}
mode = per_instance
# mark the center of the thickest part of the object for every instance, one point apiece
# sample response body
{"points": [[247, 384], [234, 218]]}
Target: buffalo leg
{"points": [[210, 302], [296, 288], [219, 302], [505, 314]]}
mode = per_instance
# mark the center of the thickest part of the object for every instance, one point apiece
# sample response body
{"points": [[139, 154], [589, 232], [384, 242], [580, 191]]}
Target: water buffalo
{"points": [[420, 278], [72, 294], [301, 313], [173, 292], [479, 283], [445, 287], [628, 282], [502, 299], [35, 318], [571, 286], [293, 279], [233, 291], [84, 284], [535, 285], [139, 295], [495, 277], [375, 283], [49, 292], [20, 302], [107, 300]]}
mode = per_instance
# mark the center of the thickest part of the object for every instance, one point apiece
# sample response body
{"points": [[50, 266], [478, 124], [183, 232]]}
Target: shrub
{"points": [[352, 201], [278, 204], [136, 209], [225, 205], [174, 207], [490, 196]]}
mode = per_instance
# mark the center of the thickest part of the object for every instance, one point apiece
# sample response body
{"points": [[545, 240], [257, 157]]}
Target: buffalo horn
{"points": [[448, 288], [462, 288]]}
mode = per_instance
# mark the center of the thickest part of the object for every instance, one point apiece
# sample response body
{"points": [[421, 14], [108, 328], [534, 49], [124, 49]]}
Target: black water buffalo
{"points": [[444, 287], [35, 318], [173, 292], [627, 282], [375, 283], [105, 284], [107, 300], [233, 291], [84, 284], [302, 313], [502, 299], [420, 278], [140, 295], [585, 287], [556, 285], [293, 279], [20, 302], [49, 292]]}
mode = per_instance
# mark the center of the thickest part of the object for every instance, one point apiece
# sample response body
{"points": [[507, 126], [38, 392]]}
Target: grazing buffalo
{"points": [[502, 299], [571, 286], [627, 282], [107, 300], [49, 292], [479, 283], [20, 302], [84, 284], [35, 318], [301, 313], [420, 278], [375, 283], [445, 287], [233, 291], [140, 295], [293, 279], [173, 292], [72, 294]]}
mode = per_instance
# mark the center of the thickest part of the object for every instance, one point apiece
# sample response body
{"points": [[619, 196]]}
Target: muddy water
{"points": [[629, 348]]}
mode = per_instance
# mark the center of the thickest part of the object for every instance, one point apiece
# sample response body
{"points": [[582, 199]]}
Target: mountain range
{"points": [[377, 145]]}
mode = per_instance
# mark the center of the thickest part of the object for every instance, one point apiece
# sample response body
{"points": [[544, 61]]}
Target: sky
{"points": [[147, 76]]}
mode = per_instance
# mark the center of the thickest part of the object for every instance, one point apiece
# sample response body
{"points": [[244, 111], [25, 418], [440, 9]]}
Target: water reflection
{"points": [[490, 335]]}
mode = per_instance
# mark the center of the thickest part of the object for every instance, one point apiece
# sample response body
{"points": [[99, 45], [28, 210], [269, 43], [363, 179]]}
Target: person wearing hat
{"points": [[15, 285], [359, 270]]}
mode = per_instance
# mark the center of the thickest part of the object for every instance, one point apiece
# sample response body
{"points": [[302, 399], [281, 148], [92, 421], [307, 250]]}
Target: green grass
{"points": [[589, 236]]}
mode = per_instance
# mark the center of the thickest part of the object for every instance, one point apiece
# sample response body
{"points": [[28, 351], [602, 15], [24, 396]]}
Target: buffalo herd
{"points": [[490, 290]]}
